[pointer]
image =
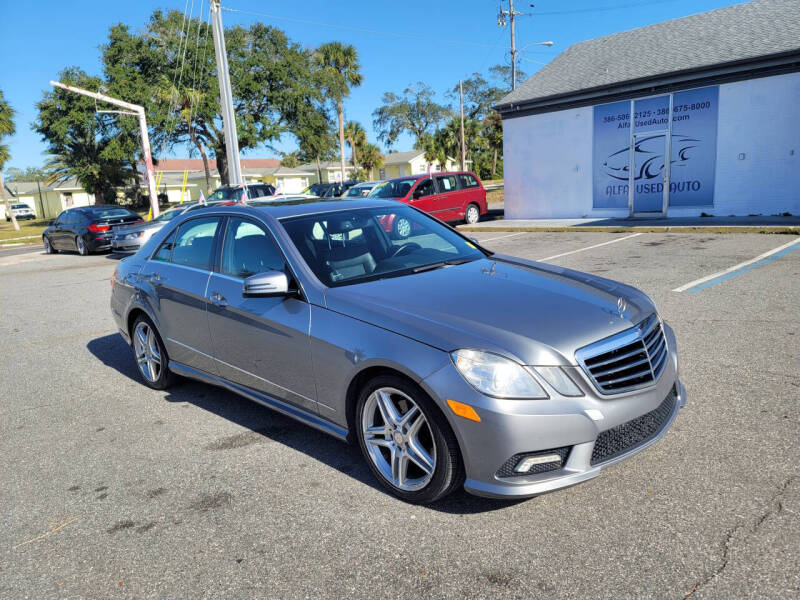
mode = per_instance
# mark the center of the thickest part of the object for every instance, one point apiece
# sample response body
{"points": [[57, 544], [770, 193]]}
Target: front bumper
{"points": [[125, 246], [511, 427]]}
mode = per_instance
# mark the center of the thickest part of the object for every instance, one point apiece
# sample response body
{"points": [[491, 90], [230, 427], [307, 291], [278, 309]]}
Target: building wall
{"points": [[548, 157], [547, 164], [759, 119]]}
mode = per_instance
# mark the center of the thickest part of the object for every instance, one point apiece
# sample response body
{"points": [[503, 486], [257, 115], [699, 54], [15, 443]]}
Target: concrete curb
{"points": [[785, 229]]}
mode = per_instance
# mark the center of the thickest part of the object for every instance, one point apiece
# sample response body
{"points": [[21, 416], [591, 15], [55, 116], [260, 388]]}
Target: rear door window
{"points": [[164, 252], [468, 181], [447, 183], [194, 243]]}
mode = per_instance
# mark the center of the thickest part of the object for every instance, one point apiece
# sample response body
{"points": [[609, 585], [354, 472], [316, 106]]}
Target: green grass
{"points": [[26, 229]]}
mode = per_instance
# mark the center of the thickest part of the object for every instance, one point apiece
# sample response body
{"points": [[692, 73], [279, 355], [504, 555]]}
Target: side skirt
{"points": [[282, 407]]}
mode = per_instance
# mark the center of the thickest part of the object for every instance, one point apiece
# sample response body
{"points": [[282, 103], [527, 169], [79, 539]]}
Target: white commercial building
{"points": [[717, 92]]}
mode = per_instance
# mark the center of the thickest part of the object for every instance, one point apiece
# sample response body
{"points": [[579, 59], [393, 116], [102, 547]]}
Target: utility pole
{"points": [[463, 147], [226, 97], [501, 21], [132, 109]]}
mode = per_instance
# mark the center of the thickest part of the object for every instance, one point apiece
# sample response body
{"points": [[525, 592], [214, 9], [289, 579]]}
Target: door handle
{"points": [[443, 197], [218, 299], [156, 277]]}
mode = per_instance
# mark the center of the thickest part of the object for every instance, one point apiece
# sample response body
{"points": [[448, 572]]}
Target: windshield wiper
{"points": [[440, 264]]}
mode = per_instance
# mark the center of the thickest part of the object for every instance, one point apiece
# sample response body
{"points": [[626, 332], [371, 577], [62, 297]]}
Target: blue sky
{"points": [[446, 41]]}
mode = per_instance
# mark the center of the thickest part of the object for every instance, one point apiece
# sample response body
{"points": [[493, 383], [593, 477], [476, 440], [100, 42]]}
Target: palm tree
{"points": [[7, 127], [356, 137], [340, 69], [371, 158]]}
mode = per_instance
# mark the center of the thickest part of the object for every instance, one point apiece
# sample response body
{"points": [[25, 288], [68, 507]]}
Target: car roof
{"points": [[434, 174], [309, 206]]}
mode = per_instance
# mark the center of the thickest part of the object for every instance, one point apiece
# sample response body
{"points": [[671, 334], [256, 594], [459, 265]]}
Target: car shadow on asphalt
{"points": [[113, 352]]}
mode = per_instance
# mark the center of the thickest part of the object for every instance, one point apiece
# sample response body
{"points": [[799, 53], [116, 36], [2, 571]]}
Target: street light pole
{"points": [[463, 146], [226, 97], [131, 109]]}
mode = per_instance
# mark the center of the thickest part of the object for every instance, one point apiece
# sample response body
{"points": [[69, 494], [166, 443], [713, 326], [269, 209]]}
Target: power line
{"points": [[409, 36], [601, 8]]}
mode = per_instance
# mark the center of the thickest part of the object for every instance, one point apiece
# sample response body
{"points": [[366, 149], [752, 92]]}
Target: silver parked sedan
{"points": [[128, 239], [449, 365]]}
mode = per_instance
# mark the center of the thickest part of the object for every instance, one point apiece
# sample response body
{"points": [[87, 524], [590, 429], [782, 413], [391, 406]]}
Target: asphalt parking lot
{"points": [[110, 489]]}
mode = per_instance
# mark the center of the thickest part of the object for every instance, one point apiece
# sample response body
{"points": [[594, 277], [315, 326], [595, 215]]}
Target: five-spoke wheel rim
{"points": [[81, 246], [403, 228], [399, 439], [148, 356], [46, 246], [472, 214]]}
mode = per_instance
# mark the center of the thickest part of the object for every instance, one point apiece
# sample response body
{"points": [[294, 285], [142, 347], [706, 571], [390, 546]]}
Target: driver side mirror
{"points": [[417, 194], [267, 284]]}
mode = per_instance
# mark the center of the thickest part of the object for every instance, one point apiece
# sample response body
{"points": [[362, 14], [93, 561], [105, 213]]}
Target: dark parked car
{"points": [[329, 190], [452, 196], [86, 229], [234, 192]]}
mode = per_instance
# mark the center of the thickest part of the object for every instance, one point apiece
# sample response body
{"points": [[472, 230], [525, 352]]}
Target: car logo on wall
{"points": [[649, 157]]}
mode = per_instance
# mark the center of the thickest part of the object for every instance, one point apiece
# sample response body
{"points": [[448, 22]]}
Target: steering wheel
{"points": [[405, 248]]}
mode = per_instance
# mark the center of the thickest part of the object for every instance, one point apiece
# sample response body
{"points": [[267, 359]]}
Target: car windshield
{"points": [[358, 191], [19, 206], [397, 188], [111, 213], [169, 214], [228, 193], [353, 246]]}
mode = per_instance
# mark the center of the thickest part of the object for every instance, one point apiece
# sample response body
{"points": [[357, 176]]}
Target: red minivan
{"points": [[451, 196]]}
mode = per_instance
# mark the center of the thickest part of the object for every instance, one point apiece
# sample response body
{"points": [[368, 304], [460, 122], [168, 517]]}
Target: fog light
{"points": [[525, 465]]}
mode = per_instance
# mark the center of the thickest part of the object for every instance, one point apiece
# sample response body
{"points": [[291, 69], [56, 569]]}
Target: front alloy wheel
{"points": [[48, 247], [406, 441]]}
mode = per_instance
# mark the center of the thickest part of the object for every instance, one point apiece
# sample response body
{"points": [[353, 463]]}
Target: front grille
{"points": [[631, 434], [626, 361], [507, 470]]}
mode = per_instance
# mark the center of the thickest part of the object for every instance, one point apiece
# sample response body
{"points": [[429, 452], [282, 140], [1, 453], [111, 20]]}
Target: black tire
{"points": [[166, 377], [81, 247], [48, 245], [448, 473]]}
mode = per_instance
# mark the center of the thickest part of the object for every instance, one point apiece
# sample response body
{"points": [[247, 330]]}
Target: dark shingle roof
{"points": [[735, 34]]}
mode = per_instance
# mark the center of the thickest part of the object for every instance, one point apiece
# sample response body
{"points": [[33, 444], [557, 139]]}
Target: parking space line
{"points": [[500, 237], [627, 237], [699, 285]]}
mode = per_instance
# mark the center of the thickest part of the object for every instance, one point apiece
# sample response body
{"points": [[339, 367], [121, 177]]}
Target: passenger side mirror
{"points": [[267, 284], [417, 193]]}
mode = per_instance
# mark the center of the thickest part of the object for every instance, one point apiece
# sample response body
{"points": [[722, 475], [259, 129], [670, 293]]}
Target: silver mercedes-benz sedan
{"points": [[448, 364]]}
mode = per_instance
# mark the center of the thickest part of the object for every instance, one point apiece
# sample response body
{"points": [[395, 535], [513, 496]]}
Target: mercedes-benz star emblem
{"points": [[621, 306]]}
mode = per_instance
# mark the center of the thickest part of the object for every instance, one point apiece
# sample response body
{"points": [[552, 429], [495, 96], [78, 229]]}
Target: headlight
{"points": [[496, 376]]}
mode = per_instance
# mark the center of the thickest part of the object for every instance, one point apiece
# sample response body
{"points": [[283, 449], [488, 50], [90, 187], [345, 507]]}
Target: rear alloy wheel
{"points": [[151, 356], [402, 228], [48, 247], [472, 215], [406, 441], [80, 244]]}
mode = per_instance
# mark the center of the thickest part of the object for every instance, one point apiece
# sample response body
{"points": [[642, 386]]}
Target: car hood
{"points": [[535, 313], [152, 225]]}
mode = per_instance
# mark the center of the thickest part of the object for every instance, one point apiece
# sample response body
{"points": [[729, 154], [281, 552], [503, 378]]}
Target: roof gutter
{"points": [[786, 62]]}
